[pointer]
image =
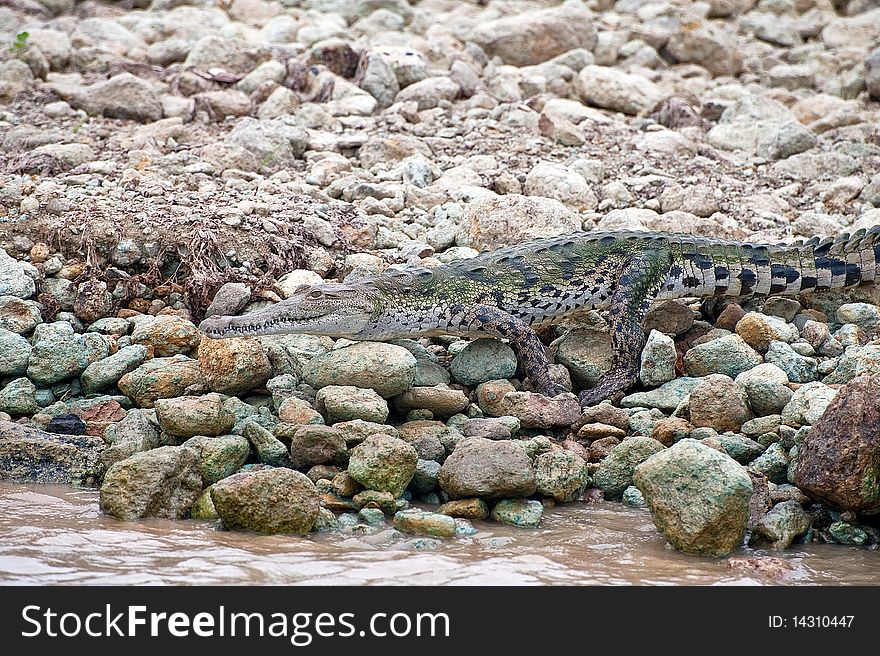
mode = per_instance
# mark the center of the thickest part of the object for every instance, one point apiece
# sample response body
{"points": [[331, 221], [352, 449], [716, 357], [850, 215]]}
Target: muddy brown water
{"points": [[58, 535]]}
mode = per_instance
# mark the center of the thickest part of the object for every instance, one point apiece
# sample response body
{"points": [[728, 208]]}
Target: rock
{"points": [[101, 374], [234, 365], [383, 463], [633, 498], [483, 360], [384, 152], [753, 120], [441, 400], [230, 299], [586, 353], [124, 96], [666, 397], [864, 315], [758, 330], [274, 144], [346, 402], [60, 354], [615, 473], [518, 512], [317, 445], [568, 187], [17, 315], [855, 361], [844, 533], [538, 411], [216, 51], [30, 455], [872, 73], [68, 424], [293, 410], [860, 30], [465, 508], [773, 464], [535, 36], [699, 498], [276, 500], [670, 318], [808, 403], [270, 450], [491, 429], [162, 378], [708, 44], [187, 416], [728, 355], [385, 368], [163, 482], [798, 368], [609, 88], [779, 527], [488, 469], [14, 353], [168, 335], [19, 397], [765, 387], [658, 360], [419, 522], [379, 80], [424, 479], [219, 457], [718, 402], [14, 278], [784, 140], [561, 475], [356, 431], [493, 222], [839, 460], [428, 93], [429, 438]]}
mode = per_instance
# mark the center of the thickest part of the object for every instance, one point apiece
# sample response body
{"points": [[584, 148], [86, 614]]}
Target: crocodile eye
{"points": [[316, 294]]}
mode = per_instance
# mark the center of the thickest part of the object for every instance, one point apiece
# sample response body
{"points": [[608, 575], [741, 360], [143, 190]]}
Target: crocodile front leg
{"points": [[630, 302], [522, 339]]}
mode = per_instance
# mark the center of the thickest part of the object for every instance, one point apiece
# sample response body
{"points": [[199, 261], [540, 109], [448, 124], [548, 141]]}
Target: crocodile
{"points": [[506, 293]]}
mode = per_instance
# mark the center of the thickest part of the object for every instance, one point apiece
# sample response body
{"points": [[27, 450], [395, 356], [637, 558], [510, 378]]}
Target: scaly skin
{"points": [[503, 293]]}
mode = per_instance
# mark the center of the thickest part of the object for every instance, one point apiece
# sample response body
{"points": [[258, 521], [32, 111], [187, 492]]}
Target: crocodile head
{"points": [[337, 310]]}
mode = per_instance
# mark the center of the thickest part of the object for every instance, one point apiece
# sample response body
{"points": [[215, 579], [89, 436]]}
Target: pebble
{"points": [[525, 513], [346, 402], [383, 463]]}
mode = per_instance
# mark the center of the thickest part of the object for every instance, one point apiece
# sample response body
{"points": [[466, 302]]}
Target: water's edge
{"points": [[58, 535]]}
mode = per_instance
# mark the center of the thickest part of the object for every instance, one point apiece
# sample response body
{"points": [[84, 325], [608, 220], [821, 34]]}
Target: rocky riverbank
{"points": [[170, 156]]}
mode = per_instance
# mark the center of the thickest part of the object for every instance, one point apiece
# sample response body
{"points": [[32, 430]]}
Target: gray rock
{"points": [[872, 73], [615, 472], [667, 397], [863, 315], [215, 51], [535, 36], [609, 88], [518, 512], [728, 355], [163, 482], [765, 387], [14, 278], [14, 353], [60, 354], [379, 80], [124, 96], [220, 456], [383, 463], [270, 450], [708, 44], [486, 468], [779, 527], [669, 317], [808, 404], [425, 478], [274, 144], [633, 498], [785, 140], [551, 180], [346, 402], [586, 353], [30, 455], [276, 500], [441, 400], [845, 533], [495, 221], [855, 361], [538, 411], [699, 498], [483, 360], [561, 475], [799, 369], [230, 299], [101, 374], [429, 92], [19, 397], [773, 464], [658, 360], [385, 368], [429, 438]]}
